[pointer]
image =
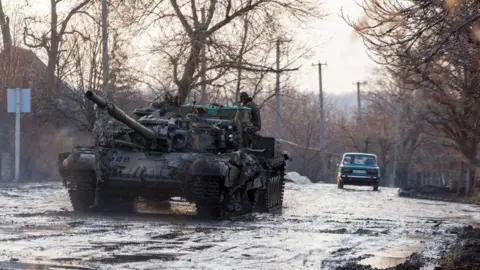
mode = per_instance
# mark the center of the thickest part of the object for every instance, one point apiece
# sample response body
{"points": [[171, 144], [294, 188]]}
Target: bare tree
{"points": [[52, 40], [300, 130], [22, 68], [7, 44], [432, 46], [5, 27], [236, 36], [81, 67]]}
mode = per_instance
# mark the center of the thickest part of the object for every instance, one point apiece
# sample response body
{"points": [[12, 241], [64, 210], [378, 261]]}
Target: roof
{"points": [[22, 68], [23, 57], [27, 68]]}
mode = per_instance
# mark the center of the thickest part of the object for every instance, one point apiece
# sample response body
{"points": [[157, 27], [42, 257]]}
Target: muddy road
{"points": [[322, 227]]}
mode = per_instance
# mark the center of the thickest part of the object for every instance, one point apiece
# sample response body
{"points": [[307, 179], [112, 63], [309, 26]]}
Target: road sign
{"points": [[24, 100], [18, 101]]}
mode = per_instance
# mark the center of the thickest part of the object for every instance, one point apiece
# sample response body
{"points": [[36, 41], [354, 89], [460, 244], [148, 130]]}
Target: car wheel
{"points": [[375, 188]]}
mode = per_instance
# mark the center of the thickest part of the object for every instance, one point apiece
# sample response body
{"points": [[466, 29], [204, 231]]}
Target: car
{"points": [[358, 169]]}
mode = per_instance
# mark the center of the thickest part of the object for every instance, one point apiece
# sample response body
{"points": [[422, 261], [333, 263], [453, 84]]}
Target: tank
{"points": [[198, 153]]}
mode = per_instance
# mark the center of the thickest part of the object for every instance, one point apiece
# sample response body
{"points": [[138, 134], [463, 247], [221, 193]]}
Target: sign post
{"points": [[18, 101]]}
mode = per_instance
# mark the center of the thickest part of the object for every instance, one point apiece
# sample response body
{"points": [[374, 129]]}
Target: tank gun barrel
{"points": [[121, 116]]}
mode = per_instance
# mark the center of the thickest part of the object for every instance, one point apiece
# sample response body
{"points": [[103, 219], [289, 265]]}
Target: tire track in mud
{"points": [[322, 227]]}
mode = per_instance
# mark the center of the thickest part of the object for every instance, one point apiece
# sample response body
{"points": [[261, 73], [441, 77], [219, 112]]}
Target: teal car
{"points": [[358, 169]]}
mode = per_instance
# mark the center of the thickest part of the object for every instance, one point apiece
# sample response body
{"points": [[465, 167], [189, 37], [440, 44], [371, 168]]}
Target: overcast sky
{"points": [[340, 48], [344, 52]]}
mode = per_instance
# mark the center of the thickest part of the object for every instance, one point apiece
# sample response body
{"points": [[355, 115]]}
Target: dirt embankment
{"points": [[465, 254], [413, 262], [438, 194]]}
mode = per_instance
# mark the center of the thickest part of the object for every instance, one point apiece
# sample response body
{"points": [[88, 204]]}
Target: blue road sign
{"points": [[25, 100]]}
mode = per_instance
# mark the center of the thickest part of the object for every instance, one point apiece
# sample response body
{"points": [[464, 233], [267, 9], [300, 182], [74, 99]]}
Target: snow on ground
{"points": [[321, 227], [297, 178]]}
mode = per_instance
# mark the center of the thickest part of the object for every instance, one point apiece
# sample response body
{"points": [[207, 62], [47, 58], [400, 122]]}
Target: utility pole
{"points": [[359, 114], [277, 94], [17, 134], [322, 123], [105, 46], [204, 60], [394, 163], [277, 88]]}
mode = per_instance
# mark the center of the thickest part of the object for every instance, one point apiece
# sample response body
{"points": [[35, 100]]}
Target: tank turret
{"points": [[121, 116]]}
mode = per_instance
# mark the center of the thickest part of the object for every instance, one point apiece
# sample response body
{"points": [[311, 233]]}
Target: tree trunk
{"points": [[442, 178], [53, 53], [461, 178], [470, 187], [185, 83], [6, 144], [5, 26], [467, 181], [448, 179], [471, 169], [12, 167], [402, 176], [1, 164], [2, 146], [27, 169], [475, 178], [7, 45]]}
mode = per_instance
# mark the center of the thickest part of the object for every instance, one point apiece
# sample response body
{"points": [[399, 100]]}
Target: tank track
{"points": [[271, 199], [207, 196], [81, 189], [110, 200], [209, 200]]}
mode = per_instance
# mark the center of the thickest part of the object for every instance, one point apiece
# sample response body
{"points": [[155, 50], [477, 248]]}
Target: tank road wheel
{"points": [[81, 190], [207, 194], [271, 199], [115, 201], [238, 205]]}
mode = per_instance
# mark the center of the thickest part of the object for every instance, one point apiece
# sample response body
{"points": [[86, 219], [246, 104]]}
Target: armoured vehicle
{"points": [[359, 169], [199, 153]]}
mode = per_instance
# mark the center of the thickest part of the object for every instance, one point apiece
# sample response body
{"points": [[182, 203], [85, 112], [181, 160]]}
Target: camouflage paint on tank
{"points": [[163, 152]]}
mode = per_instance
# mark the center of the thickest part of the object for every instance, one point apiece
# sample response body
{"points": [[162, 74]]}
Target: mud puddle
{"points": [[321, 227], [39, 266], [391, 257]]}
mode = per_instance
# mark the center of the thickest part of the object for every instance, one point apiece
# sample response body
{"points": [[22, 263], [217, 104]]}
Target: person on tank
{"points": [[256, 120]]}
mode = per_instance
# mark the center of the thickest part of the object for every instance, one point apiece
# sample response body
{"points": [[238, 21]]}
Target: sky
{"points": [[342, 50], [339, 47]]}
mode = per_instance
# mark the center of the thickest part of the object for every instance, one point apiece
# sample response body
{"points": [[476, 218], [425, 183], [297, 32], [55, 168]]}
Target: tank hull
{"points": [[200, 178], [212, 160]]}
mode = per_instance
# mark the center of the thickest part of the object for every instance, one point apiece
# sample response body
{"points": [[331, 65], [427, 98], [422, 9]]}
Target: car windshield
{"points": [[360, 160]]}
